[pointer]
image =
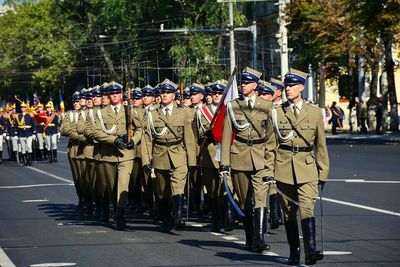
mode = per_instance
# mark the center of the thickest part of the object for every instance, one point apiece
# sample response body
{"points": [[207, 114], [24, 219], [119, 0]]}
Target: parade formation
{"points": [[250, 159]]}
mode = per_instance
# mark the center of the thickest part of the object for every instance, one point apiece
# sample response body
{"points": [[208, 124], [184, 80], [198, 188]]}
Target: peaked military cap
{"points": [[277, 83], [88, 93], [186, 93], [219, 86], [137, 93], [295, 77], [148, 90], [96, 91], [197, 88], [75, 97], [114, 87], [23, 104], [265, 87], [250, 75], [104, 88], [168, 86]]}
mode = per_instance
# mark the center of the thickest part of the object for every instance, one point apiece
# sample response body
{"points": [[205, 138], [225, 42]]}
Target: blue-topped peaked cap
{"points": [[168, 86], [197, 88], [76, 97], [156, 90], [208, 88], [219, 86], [88, 93], [104, 88], [114, 87], [96, 91], [250, 75], [277, 83], [295, 77], [265, 87], [186, 93], [137, 93], [148, 90]]}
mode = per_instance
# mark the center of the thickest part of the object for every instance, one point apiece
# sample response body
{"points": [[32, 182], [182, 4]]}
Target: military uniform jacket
{"points": [[52, 127], [87, 121], [68, 128], [26, 125], [109, 119], [249, 157], [202, 124], [301, 167], [2, 125], [179, 128], [11, 124]]}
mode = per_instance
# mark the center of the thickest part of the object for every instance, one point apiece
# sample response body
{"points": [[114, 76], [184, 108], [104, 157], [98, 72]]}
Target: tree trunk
{"points": [[389, 67]]}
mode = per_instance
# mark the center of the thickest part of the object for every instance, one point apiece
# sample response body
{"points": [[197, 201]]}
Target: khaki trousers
{"points": [[305, 194], [117, 176], [170, 182]]}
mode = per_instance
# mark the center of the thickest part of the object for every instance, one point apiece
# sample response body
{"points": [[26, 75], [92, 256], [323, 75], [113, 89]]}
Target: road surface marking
{"points": [[34, 200], [5, 260], [365, 181], [51, 175], [62, 152], [336, 253], [196, 224], [361, 206], [54, 264], [30, 185], [230, 238], [217, 234], [270, 253]]}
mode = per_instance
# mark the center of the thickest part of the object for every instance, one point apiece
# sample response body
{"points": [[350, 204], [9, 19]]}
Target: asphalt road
{"points": [[39, 224]]}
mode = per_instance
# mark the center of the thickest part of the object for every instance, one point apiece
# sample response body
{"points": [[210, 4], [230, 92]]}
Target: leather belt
{"points": [[168, 143], [249, 142], [296, 149]]}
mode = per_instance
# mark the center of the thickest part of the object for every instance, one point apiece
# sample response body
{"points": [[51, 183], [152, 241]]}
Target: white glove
{"points": [[4, 135], [7, 137], [58, 137], [34, 137]]}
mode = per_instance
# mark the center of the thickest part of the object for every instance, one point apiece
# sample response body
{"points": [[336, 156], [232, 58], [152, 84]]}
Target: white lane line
{"points": [[5, 260], [54, 264], [51, 175], [62, 152], [217, 234], [240, 242], [30, 185], [336, 253], [364, 181], [230, 238], [361, 206], [34, 200], [270, 253], [196, 224]]}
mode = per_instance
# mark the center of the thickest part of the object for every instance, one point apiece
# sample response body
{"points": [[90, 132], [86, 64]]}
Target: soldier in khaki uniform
{"points": [[171, 138], [251, 155], [68, 129], [301, 164], [117, 153], [267, 91]]}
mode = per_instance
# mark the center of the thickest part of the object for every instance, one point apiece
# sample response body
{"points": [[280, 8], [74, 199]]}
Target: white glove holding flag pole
{"points": [[58, 137]]}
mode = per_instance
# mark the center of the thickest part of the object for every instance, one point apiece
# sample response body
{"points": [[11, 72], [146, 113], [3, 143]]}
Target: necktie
{"points": [[116, 110], [296, 111], [167, 112], [250, 104]]}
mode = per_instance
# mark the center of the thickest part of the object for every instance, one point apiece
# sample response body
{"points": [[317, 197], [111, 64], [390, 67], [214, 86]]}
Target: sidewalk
{"points": [[391, 137]]}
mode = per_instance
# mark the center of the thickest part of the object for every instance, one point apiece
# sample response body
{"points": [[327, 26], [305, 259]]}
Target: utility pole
{"points": [[283, 38], [231, 37]]}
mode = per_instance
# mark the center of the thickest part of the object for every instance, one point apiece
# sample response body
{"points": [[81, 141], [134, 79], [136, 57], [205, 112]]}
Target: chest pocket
{"points": [[308, 126], [177, 127], [240, 118]]}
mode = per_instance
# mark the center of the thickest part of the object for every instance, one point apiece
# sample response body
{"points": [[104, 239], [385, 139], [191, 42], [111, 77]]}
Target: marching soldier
{"points": [[249, 156], [68, 128], [170, 135], [50, 130], [187, 102], [117, 151], [39, 133], [301, 164], [11, 125], [267, 91], [26, 129], [277, 98]]}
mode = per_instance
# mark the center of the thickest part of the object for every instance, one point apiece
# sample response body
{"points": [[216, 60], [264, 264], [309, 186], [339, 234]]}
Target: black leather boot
{"points": [[24, 160], [120, 219], [41, 156], [274, 206], [165, 212], [55, 155], [229, 221], [105, 211], [248, 228], [1, 157], [312, 255], [215, 214], [177, 202], [292, 234], [50, 156], [259, 243], [29, 159]]}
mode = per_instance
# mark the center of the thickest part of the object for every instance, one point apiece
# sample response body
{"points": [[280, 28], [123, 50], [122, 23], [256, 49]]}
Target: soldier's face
{"points": [[89, 103], [148, 100], [96, 101], [137, 102], [187, 102], [105, 100], [266, 96], [82, 102], [293, 92], [216, 97], [277, 95], [167, 97], [248, 88], [209, 99], [76, 105], [23, 110], [115, 98], [196, 98]]}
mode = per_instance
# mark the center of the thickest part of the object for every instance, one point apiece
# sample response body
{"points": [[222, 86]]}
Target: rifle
{"points": [[128, 117], [181, 95]]}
